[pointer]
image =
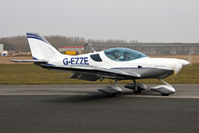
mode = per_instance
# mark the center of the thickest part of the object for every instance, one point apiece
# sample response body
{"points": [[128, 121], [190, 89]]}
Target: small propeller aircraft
{"points": [[114, 63]]}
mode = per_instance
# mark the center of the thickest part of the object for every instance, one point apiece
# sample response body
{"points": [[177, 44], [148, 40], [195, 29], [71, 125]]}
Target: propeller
{"points": [[189, 58]]}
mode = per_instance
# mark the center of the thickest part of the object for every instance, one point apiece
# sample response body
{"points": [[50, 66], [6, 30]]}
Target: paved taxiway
{"points": [[80, 108]]}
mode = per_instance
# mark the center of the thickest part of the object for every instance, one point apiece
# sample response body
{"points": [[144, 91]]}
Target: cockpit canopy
{"points": [[123, 54]]}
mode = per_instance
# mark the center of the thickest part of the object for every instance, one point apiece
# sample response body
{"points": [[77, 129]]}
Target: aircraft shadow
{"points": [[79, 98], [83, 96]]}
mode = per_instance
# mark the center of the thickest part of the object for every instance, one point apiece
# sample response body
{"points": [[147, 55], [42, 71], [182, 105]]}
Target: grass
{"points": [[32, 74]]}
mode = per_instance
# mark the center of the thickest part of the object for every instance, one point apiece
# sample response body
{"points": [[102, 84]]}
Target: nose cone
{"points": [[184, 62]]}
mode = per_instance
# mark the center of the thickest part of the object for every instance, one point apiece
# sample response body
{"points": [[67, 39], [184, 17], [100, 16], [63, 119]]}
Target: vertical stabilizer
{"points": [[40, 48]]}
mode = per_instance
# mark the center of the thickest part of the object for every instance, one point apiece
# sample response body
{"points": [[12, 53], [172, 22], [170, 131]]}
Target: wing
{"points": [[93, 73]]}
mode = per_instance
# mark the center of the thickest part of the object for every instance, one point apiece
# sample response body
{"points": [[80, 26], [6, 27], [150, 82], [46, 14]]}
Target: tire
{"points": [[164, 94], [138, 91], [111, 95]]}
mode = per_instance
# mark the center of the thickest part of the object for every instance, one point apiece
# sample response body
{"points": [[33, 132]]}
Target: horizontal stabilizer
{"points": [[40, 61]]}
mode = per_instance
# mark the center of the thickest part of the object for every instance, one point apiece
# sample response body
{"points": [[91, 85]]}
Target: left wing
{"points": [[93, 73]]}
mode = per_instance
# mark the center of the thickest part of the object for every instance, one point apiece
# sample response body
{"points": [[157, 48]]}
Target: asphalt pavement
{"points": [[81, 109]]}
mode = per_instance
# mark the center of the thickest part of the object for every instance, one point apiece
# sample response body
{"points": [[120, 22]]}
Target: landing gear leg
{"points": [[165, 82], [136, 88], [115, 81], [101, 79]]}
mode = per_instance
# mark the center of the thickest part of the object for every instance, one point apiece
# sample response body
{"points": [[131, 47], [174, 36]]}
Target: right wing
{"points": [[93, 73]]}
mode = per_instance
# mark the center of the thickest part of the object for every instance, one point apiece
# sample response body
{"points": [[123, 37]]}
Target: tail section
{"points": [[40, 48]]}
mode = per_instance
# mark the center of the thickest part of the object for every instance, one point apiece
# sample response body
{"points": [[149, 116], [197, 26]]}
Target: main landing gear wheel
{"points": [[137, 91], [111, 94], [164, 94]]}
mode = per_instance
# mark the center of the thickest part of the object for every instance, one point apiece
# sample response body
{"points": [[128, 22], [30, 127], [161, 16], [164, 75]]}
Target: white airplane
{"points": [[114, 63]]}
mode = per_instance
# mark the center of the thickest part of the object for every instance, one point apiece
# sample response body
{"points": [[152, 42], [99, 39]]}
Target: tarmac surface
{"points": [[81, 109]]}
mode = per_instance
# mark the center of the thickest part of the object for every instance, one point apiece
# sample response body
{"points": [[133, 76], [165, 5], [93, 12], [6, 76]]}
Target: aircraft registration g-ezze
{"points": [[114, 63]]}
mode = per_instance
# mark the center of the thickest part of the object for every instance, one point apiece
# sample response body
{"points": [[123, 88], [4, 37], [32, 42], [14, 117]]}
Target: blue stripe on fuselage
{"points": [[132, 68]]}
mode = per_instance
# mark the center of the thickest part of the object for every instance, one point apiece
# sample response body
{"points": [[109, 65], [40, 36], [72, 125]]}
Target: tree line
{"points": [[20, 43]]}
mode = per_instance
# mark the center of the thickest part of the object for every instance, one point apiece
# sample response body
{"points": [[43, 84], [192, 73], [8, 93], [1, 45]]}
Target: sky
{"points": [[142, 20]]}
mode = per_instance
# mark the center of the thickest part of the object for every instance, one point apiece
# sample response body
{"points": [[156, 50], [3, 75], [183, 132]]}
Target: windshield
{"points": [[123, 54]]}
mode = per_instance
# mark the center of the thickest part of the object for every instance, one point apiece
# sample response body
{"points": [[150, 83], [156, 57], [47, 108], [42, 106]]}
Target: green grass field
{"points": [[32, 74]]}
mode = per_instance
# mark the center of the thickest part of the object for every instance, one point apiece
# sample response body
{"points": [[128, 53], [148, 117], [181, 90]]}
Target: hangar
{"points": [[156, 48]]}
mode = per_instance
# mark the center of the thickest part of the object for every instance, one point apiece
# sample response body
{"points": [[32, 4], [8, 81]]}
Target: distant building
{"points": [[1, 49], [78, 49]]}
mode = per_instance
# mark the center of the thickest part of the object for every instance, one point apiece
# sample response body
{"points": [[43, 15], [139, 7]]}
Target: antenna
{"points": [[90, 45]]}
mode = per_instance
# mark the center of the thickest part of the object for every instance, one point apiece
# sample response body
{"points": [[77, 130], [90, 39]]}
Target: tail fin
{"points": [[41, 49]]}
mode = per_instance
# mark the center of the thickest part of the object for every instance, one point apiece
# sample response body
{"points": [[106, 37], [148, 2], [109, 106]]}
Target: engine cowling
{"points": [[110, 89], [165, 90]]}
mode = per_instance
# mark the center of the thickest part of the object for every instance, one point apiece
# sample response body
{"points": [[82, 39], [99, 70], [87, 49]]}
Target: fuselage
{"points": [[137, 62]]}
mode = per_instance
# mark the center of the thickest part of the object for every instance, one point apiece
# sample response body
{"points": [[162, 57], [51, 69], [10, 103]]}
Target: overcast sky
{"points": [[142, 20]]}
